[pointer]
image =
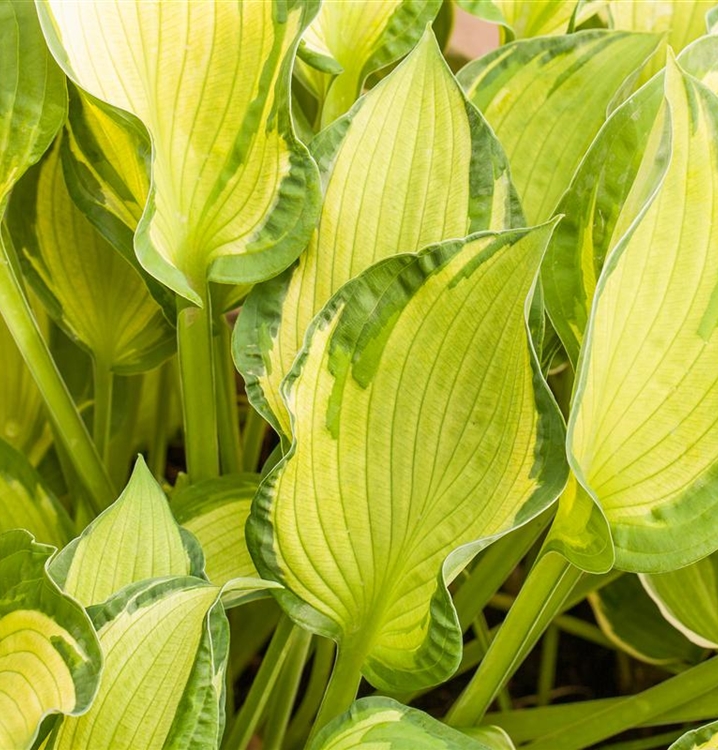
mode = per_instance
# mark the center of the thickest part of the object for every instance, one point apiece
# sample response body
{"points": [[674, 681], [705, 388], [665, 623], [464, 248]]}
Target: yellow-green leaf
{"points": [[368, 517], [88, 287], [413, 163], [383, 723], [631, 620], [215, 511], [681, 21], [524, 18], [234, 193], [106, 164], [32, 91], [161, 687], [643, 431], [688, 599], [348, 40], [134, 539], [547, 98], [704, 738], [49, 656], [25, 503], [22, 416], [596, 208]]}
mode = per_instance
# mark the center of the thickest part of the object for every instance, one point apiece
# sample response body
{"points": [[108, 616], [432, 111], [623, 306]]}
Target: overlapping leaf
{"points": [[533, 93], [643, 431], [630, 619], [34, 97], [524, 18], [351, 39], [360, 516], [681, 20], [215, 511], [134, 539], [234, 194], [161, 686], [606, 196], [413, 163], [688, 598], [382, 722], [89, 288], [25, 503], [49, 656], [704, 738]]}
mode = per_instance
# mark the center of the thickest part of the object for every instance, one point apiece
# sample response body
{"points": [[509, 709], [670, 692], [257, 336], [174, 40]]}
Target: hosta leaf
{"points": [[215, 511], [533, 93], [106, 164], [596, 206], [643, 431], [32, 93], [234, 193], [580, 531], [682, 20], [49, 656], [21, 412], [382, 723], [25, 503], [703, 738], [90, 290], [524, 18], [161, 687], [688, 599], [361, 517], [134, 539], [352, 39], [413, 163], [630, 619]]}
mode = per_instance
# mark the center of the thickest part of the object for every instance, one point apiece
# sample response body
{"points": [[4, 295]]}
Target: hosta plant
{"points": [[322, 346]]}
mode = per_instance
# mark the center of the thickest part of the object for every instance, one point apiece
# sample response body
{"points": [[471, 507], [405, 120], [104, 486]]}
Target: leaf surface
{"points": [[215, 511], [134, 539], [412, 163], [25, 503], [49, 656], [630, 619], [605, 198], [21, 410], [234, 194], [643, 431], [524, 18], [33, 95], [89, 288], [161, 687], [359, 518], [384, 724], [703, 738], [352, 39], [687, 599], [533, 94]]}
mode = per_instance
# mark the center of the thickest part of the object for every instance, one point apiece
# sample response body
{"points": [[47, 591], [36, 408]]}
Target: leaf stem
{"points": [[634, 710], [230, 445], [196, 361], [103, 380], [285, 693], [342, 688], [547, 586], [494, 566], [65, 417], [163, 384], [246, 721], [255, 428], [318, 679]]}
